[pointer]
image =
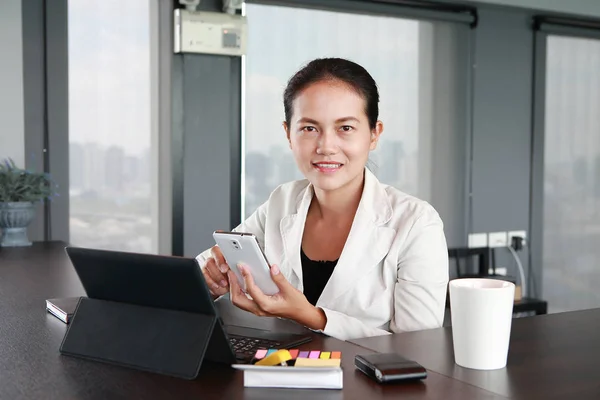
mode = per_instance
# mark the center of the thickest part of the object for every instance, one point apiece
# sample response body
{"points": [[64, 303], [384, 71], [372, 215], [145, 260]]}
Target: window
{"points": [[109, 125], [422, 80], [572, 174]]}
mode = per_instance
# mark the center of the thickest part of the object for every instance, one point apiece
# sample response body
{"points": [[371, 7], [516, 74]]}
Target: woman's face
{"points": [[330, 136]]}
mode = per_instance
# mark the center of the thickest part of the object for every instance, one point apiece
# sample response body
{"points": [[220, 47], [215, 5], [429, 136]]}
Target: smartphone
{"points": [[243, 248], [389, 367]]}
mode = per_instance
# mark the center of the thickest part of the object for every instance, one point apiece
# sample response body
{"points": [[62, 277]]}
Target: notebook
{"points": [[305, 370], [62, 308]]}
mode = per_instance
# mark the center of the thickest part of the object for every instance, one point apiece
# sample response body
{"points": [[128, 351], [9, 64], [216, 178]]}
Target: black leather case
{"points": [[151, 339], [389, 367]]}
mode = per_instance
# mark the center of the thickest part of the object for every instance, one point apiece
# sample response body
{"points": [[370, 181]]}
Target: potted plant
{"points": [[19, 191]]}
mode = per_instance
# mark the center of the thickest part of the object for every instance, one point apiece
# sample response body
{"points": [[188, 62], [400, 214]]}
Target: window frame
{"points": [[545, 26]]}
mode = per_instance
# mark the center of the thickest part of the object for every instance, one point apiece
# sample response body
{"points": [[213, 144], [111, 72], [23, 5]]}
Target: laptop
{"points": [[174, 283]]}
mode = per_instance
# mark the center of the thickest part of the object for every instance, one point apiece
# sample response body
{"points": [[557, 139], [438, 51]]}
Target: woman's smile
{"points": [[327, 167]]}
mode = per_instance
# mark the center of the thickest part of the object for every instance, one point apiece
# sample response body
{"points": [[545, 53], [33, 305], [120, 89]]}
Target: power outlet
{"points": [[497, 239], [521, 234], [499, 271], [477, 240]]}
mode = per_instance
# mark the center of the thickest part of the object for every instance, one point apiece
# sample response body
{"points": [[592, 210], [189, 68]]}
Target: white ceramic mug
{"points": [[481, 312]]}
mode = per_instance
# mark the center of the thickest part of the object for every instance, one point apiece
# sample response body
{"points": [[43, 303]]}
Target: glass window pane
{"points": [[422, 82], [572, 174], [109, 124]]}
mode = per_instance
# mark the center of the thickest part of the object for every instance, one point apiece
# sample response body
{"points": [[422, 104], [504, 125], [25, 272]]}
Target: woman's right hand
{"points": [[215, 273]]}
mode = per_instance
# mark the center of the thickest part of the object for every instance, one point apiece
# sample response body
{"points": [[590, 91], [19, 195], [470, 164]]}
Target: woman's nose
{"points": [[327, 144]]}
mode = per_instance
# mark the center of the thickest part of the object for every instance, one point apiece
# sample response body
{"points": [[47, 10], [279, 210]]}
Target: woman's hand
{"points": [[215, 273], [289, 303]]}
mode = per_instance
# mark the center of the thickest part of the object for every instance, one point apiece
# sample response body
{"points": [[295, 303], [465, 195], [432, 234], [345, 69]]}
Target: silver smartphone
{"points": [[243, 248]]}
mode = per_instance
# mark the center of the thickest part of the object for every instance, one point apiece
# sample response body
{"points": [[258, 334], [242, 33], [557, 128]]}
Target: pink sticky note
{"points": [[314, 354], [260, 354]]}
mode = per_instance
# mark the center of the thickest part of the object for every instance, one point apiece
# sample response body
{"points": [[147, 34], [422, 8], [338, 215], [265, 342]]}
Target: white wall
{"points": [[589, 8], [12, 124]]}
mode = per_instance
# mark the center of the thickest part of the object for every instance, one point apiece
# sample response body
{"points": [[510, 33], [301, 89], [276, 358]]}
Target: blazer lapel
{"points": [[292, 229], [368, 242]]}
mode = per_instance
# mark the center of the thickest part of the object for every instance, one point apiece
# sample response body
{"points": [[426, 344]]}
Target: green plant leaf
{"points": [[17, 184]]}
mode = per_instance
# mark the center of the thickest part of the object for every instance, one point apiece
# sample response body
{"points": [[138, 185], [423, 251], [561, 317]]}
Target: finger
{"points": [[216, 276], [234, 285], [220, 260], [279, 279], [257, 295], [239, 298], [215, 289], [215, 273]]}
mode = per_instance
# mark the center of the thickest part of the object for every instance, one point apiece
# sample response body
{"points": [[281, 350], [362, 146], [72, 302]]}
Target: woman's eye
{"points": [[309, 129], [347, 128]]}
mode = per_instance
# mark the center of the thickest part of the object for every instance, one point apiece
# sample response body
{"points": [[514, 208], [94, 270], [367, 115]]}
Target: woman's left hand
{"points": [[288, 303]]}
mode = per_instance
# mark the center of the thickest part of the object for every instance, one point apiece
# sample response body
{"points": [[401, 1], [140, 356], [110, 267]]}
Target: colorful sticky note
{"points": [[271, 351], [294, 353], [325, 355], [277, 358], [260, 354], [317, 362], [336, 355], [303, 354], [314, 354]]}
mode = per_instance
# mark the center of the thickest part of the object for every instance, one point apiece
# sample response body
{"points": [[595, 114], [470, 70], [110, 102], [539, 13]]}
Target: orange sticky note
{"points": [[336, 355], [294, 353], [325, 354]]}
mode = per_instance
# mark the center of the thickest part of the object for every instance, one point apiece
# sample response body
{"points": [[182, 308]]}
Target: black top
{"points": [[315, 275]]}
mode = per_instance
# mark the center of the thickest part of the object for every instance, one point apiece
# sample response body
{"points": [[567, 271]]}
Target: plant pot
{"points": [[14, 219]]}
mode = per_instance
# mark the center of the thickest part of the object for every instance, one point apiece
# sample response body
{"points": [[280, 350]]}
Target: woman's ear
{"points": [[375, 133], [286, 128]]}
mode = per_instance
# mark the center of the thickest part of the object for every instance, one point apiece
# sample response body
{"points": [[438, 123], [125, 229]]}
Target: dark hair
{"points": [[340, 69]]}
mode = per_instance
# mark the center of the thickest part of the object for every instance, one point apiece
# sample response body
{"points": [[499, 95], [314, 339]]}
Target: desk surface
{"points": [[31, 366], [553, 356]]}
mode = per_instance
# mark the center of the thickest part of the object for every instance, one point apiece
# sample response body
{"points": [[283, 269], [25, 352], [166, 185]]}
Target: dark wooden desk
{"points": [[553, 356], [32, 368]]}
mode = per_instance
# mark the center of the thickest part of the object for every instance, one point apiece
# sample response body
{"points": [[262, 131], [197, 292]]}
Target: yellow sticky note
{"points": [[325, 354], [276, 358], [317, 362]]}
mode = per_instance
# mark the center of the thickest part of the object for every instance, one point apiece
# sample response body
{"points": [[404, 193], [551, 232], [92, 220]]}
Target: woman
{"points": [[352, 257]]}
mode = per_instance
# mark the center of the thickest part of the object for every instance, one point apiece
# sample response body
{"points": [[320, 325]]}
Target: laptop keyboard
{"points": [[245, 347]]}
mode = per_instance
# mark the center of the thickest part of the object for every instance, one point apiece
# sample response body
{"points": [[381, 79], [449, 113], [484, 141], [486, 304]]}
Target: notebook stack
{"points": [[62, 308], [294, 369]]}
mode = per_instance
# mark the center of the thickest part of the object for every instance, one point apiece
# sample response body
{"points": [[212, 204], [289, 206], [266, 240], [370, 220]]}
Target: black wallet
{"points": [[389, 367]]}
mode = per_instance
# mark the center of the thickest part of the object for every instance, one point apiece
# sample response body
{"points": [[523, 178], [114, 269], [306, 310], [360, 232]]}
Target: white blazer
{"points": [[392, 274]]}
